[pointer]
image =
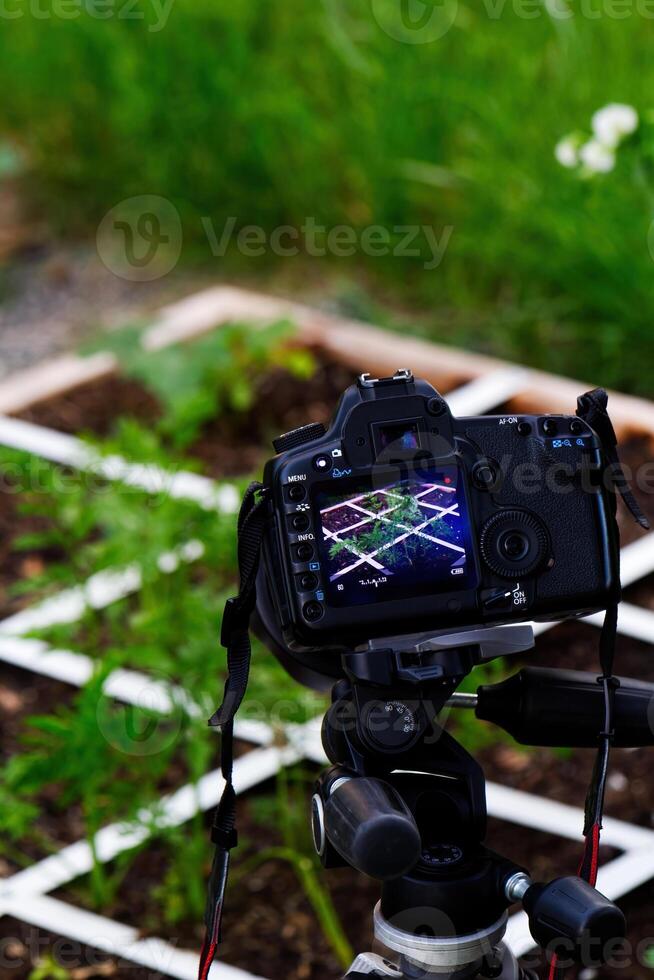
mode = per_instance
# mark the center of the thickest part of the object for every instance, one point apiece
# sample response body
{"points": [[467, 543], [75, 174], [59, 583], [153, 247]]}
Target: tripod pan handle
{"points": [[570, 917], [541, 706], [371, 827]]}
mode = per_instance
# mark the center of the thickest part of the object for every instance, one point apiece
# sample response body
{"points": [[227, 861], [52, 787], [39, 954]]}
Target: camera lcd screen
{"points": [[394, 538]]}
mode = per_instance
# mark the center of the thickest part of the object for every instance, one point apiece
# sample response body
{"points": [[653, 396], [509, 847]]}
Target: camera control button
{"points": [[299, 523], [312, 611], [524, 428], [436, 406], [296, 492], [307, 581], [550, 428], [322, 463], [577, 427], [484, 474], [298, 437], [514, 543], [304, 552]]}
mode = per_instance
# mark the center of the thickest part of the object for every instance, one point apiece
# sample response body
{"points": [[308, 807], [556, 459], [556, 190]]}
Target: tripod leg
{"points": [[370, 964], [504, 966]]}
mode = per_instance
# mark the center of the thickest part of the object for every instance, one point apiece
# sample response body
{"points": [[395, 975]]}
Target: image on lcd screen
{"points": [[405, 538]]}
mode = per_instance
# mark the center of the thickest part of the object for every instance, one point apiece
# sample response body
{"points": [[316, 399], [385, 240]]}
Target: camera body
{"points": [[402, 519]]}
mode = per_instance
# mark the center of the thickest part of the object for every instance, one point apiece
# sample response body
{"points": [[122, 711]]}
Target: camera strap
{"points": [[235, 637], [592, 408]]}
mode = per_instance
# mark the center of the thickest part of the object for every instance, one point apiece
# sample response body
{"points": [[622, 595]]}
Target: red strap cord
{"points": [[591, 852], [206, 958]]}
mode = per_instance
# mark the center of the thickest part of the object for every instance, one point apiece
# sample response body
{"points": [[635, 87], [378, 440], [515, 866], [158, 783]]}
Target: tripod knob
{"points": [[571, 910], [371, 827]]}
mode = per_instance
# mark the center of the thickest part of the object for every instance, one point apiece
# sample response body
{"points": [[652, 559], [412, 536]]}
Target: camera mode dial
{"points": [[514, 543]]}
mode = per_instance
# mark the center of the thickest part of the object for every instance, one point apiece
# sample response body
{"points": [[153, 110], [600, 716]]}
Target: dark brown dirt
{"points": [[17, 565], [235, 444], [23, 694], [93, 408], [23, 947], [228, 446]]}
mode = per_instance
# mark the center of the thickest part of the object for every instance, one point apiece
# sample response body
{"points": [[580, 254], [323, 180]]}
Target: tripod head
{"points": [[404, 802]]}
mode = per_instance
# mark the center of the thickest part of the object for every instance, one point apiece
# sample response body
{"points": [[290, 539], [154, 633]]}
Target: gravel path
{"points": [[53, 301]]}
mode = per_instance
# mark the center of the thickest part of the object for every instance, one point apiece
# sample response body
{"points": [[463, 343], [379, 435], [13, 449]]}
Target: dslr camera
{"points": [[401, 518]]}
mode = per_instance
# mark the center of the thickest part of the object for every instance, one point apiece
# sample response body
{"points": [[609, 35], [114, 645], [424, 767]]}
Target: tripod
{"points": [[405, 803]]}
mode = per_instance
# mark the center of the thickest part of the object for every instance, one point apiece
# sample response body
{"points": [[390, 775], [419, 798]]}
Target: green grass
{"points": [[275, 112]]}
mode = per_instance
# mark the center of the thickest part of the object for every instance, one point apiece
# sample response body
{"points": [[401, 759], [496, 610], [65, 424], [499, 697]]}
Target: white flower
{"points": [[227, 499], [168, 563], [566, 152], [597, 158], [192, 550], [612, 123]]}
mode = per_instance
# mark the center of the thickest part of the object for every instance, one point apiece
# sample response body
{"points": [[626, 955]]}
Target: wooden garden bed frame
{"points": [[350, 341]]}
